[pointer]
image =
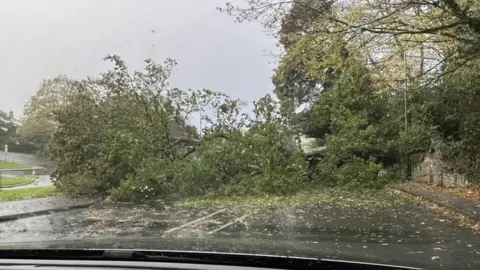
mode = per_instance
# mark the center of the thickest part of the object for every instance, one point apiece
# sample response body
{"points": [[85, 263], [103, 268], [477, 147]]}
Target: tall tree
{"points": [[8, 129], [397, 38], [38, 122]]}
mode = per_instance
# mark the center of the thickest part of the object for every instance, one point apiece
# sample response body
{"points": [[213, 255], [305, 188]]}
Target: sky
{"points": [[44, 38]]}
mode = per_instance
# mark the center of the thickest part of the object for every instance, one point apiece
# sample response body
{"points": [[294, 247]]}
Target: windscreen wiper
{"points": [[214, 258], [200, 257], [125, 255], [163, 256], [234, 259]]}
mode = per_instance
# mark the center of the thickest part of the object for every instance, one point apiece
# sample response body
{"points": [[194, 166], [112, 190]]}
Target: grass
{"points": [[10, 181], [26, 193], [10, 165]]}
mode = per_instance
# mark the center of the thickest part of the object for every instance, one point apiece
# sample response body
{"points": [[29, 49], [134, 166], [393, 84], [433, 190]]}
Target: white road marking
{"points": [[192, 222], [227, 225]]}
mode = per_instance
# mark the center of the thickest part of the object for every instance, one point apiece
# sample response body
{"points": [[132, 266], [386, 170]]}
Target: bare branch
{"points": [[191, 151]]}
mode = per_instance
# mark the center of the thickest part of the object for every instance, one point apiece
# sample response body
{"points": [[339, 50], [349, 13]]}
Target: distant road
{"points": [[33, 161], [27, 159], [42, 181]]}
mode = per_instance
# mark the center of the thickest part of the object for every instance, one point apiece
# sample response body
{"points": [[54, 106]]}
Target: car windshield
{"points": [[346, 129]]}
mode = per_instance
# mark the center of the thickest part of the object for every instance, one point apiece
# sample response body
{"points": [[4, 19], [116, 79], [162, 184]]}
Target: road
{"points": [[403, 231], [385, 227]]}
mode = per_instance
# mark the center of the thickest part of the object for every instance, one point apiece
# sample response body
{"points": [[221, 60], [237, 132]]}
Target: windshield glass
{"points": [[328, 129]]}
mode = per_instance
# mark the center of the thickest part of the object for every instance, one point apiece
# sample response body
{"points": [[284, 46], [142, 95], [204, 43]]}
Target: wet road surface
{"points": [[402, 231], [34, 205], [336, 226]]}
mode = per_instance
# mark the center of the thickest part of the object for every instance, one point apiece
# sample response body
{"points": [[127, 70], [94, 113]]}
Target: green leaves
{"points": [[126, 135]]}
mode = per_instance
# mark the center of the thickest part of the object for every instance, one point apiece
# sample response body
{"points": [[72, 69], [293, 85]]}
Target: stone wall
{"points": [[432, 170]]}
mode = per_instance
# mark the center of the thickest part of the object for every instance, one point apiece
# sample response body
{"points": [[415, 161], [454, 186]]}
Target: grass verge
{"points": [[10, 165], [26, 193], [12, 181]]}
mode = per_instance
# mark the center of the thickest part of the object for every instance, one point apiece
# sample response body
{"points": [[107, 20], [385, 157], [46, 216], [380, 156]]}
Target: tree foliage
{"points": [[415, 57], [127, 135], [377, 83], [7, 128], [38, 123]]}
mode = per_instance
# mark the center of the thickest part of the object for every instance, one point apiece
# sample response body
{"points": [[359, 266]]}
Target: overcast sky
{"points": [[44, 38]]}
